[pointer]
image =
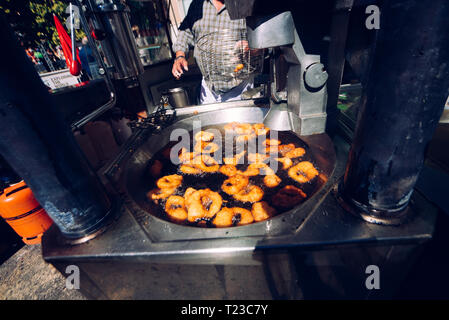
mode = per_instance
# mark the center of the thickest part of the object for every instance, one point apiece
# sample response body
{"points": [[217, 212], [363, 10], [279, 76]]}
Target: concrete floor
{"points": [[26, 276]]}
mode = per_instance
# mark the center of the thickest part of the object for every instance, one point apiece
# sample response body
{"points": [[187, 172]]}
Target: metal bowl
{"points": [[178, 98], [135, 186]]}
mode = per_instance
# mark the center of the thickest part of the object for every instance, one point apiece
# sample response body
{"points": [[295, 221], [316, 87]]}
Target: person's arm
{"points": [[181, 47]]}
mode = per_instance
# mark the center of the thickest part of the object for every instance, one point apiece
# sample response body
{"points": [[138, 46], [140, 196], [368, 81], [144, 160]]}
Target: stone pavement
{"points": [[26, 276]]}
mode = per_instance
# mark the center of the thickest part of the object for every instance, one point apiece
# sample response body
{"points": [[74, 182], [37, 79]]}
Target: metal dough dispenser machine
{"points": [[301, 105]]}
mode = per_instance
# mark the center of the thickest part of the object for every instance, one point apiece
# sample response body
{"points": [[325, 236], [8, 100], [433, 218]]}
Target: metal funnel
{"points": [[279, 118]]}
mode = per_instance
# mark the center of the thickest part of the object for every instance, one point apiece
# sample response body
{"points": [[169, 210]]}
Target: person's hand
{"points": [[242, 46], [179, 66]]}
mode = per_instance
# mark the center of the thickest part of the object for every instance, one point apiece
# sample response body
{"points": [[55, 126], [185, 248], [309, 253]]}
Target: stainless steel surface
{"points": [[272, 31], [306, 77], [279, 118], [326, 225], [119, 46], [187, 111], [316, 76], [173, 90], [335, 272], [178, 97], [393, 218], [325, 257], [308, 104], [110, 218], [251, 93]]}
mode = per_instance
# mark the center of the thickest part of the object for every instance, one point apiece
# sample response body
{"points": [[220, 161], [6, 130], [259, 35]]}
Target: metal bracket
{"points": [[306, 77]]}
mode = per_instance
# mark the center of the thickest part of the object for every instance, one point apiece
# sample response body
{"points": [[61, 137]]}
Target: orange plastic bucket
{"points": [[23, 213]]}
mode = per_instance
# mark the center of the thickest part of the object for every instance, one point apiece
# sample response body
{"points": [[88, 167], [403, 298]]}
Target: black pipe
{"points": [[401, 105], [40, 146]]}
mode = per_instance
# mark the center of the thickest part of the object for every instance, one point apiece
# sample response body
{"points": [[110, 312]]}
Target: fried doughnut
{"points": [[262, 211], [235, 160], [250, 193], [186, 157], [229, 170], [198, 148], [253, 169], [188, 169], [239, 128], [224, 218], [286, 162], [204, 136], [239, 67], [257, 157], [244, 128], [260, 129], [257, 168], [228, 217], [272, 149], [284, 148], [271, 180], [205, 147], [175, 208], [266, 170], [231, 126], [188, 196], [272, 142], [234, 184], [242, 216], [169, 182], [272, 145], [295, 153], [206, 163], [189, 191], [288, 196], [203, 204], [158, 194], [239, 155], [229, 161], [303, 172], [246, 137]]}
